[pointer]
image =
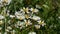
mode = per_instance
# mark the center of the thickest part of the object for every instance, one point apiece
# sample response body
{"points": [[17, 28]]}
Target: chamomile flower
{"points": [[42, 23], [27, 22], [19, 15], [27, 10], [27, 16]]}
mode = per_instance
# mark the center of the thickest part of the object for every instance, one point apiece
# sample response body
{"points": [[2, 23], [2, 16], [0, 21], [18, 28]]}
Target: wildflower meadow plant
{"points": [[26, 17]]}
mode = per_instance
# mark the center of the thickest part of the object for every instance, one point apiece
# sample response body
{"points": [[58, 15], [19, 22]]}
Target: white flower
{"points": [[28, 22], [32, 33], [8, 12], [59, 17], [1, 17], [4, 2], [21, 24], [9, 28], [35, 10], [7, 2], [19, 15], [12, 16], [5, 32], [1, 1], [18, 23], [0, 33], [27, 10], [1, 22], [42, 23], [16, 26], [31, 9], [36, 18], [37, 6], [27, 16], [37, 26], [13, 32], [22, 27]]}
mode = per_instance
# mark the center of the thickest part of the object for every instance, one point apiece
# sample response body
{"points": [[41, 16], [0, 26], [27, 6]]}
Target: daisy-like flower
{"points": [[21, 24], [32, 33], [27, 10], [41, 23], [6, 2], [1, 17], [37, 26], [27, 16], [27, 22], [19, 15], [1, 3]]}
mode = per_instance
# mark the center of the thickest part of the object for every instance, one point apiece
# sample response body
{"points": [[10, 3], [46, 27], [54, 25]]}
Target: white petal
{"points": [[2, 17], [32, 33]]}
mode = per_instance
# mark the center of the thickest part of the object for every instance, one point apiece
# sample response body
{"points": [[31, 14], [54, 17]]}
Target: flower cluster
{"points": [[23, 18], [4, 2]]}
